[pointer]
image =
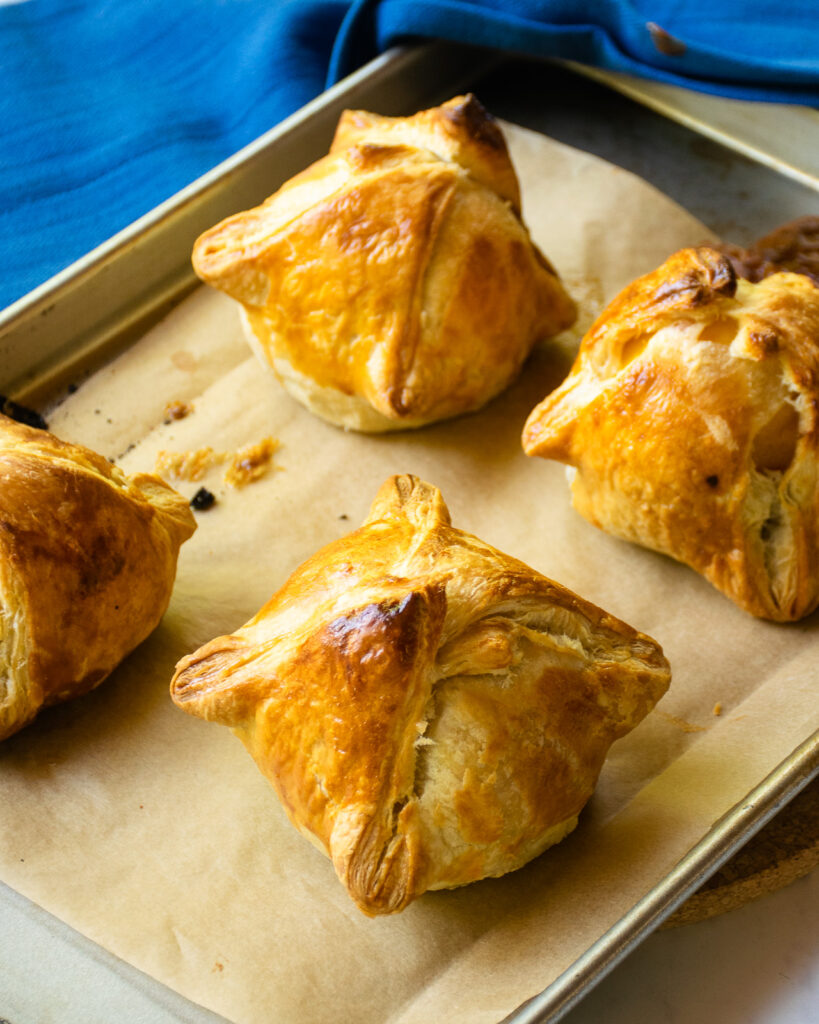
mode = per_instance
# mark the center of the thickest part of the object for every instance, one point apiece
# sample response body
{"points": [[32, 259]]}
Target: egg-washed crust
{"points": [[395, 272], [429, 710], [87, 563], [690, 415]]}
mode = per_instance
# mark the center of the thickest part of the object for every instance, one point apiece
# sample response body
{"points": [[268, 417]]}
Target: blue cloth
{"points": [[108, 108]]}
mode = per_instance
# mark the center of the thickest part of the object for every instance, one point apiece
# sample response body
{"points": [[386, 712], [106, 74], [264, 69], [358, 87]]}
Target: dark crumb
{"points": [[108, 419], [343, 516], [131, 446], [712, 481], [21, 413], [96, 412], [72, 388], [202, 500]]}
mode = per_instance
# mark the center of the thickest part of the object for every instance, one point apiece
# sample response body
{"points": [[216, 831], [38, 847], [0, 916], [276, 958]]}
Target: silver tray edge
{"points": [[717, 846]]}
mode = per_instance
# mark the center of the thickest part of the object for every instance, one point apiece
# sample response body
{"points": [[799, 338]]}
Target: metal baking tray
{"points": [[741, 168]]}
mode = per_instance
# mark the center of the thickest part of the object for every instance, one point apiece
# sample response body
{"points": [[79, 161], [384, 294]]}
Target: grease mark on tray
{"points": [[680, 723], [184, 360]]}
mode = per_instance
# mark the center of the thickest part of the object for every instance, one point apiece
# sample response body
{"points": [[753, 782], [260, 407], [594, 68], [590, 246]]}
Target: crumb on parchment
{"points": [[191, 465], [177, 411], [243, 466], [718, 708], [251, 462]]}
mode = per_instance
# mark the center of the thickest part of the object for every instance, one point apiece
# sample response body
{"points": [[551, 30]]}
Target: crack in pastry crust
{"points": [[690, 417], [429, 710]]}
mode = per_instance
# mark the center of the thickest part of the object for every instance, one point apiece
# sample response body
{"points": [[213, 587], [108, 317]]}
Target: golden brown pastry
{"points": [[87, 562], [392, 283], [429, 710], [690, 416]]}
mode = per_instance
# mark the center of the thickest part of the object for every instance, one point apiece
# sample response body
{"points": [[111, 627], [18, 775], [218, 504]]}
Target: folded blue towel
{"points": [[107, 108]]}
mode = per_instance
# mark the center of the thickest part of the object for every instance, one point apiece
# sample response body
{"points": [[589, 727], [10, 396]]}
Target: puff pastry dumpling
{"points": [[87, 563], [690, 416], [393, 282], [429, 710]]}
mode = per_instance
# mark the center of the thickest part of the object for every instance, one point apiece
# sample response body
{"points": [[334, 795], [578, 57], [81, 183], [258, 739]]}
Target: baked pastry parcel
{"points": [[393, 282], [87, 563], [429, 710], [690, 418]]}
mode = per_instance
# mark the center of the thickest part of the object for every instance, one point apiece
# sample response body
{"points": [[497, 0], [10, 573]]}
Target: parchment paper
{"points": [[154, 834]]}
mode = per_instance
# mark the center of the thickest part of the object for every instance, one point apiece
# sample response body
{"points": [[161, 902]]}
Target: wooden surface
{"points": [[785, 849]]}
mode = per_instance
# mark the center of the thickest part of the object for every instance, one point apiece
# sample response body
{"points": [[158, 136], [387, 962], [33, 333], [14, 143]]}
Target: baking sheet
{"points": [[154, 834]]}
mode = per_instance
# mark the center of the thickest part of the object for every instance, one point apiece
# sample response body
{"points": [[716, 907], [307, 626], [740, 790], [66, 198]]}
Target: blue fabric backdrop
{"points": [[107, 108]]}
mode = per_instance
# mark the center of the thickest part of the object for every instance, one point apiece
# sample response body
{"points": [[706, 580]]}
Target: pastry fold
{"points": [[429, 710], [393, 282], [690, 417], [87, 563]]}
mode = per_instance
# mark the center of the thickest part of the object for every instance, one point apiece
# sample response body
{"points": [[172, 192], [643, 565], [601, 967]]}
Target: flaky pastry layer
{"points": [[429, 710]]}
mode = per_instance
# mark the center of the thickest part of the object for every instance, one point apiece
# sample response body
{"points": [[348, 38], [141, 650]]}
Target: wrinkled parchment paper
{"points": [[154, 834]]}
